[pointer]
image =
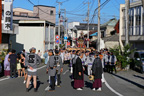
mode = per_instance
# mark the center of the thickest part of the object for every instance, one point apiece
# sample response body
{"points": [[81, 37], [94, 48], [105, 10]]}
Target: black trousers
{"points": [[58, 79], [52, 82], [107, 67], [13, 69], [111, 68], [86, 70]]}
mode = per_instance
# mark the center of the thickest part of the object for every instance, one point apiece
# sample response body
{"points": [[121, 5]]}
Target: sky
{"points": [[77, 9]]}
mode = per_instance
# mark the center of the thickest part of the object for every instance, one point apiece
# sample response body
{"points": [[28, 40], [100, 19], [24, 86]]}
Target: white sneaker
{"points": [[56, 83], [24, 81], [30, 83], [93, 89], [72, 79], [99, 89], [79, 89], [103, 81]]}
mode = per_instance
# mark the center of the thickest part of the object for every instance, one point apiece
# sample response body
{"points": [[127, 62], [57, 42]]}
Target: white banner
{"points": [[8, 14]]}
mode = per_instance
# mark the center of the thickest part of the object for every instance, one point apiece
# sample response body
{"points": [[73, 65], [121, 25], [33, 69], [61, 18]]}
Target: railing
{"points": [[131, 1]]}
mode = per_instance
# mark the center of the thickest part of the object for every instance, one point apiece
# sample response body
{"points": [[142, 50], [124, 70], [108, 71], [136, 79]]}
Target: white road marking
{"points": [[4, 79], [9, 78], [47, 88], [65, 72], [112, 88], [41, 67]]}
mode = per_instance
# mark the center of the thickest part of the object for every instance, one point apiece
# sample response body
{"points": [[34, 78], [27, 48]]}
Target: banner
{"points": [[8, 14]]}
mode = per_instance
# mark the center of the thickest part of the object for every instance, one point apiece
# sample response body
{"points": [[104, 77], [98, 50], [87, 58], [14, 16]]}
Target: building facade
{"points": [[6, 33], [47, 13], [136, 25], [30, 30], [38, 33]]}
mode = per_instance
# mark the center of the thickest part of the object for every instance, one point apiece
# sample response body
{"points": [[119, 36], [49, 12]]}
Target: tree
{"points": [[123, 54]]}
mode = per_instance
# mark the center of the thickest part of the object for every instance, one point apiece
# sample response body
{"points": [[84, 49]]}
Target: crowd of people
{"points": [[80, 61], [88, 61]]}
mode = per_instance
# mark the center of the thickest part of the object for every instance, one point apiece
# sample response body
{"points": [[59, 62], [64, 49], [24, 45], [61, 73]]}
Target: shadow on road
{"points": [[38, 84], [88, 84], [138, 76], [72, 84], [132, 82]]}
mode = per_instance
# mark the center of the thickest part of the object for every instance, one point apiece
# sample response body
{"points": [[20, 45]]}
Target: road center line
{"points": [[4, 79], [65, 72], [9, 78], [41, 67], [112, 88]]}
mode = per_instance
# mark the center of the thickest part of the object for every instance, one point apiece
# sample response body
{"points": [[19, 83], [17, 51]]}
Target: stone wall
{"points": [[111, 44]]}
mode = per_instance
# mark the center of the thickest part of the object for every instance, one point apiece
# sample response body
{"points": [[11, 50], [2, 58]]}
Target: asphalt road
{"points": [[15, 87]]}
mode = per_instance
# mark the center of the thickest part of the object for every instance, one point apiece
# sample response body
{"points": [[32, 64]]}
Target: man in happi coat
{"points": [[78, 72], [97, 71]]}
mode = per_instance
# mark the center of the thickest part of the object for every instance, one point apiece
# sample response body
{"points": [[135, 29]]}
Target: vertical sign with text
{"points": [[8, 14]]}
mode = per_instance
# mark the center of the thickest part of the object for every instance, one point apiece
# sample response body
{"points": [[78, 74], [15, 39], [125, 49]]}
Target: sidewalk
{"points": [[133, 76], [127, 83]]}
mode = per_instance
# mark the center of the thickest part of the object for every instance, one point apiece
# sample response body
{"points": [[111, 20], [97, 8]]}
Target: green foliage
{"points": [[3, 54], [62, 45], [42, 61], [123, 54]]}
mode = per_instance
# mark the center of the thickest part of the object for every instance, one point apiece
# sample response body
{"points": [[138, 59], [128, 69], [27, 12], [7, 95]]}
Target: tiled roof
{"points": [[111, 38], [111, 22], [85, 27]]}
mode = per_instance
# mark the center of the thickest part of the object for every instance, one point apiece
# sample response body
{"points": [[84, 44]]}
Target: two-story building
{"points": [[36, 28], [136, 25]]}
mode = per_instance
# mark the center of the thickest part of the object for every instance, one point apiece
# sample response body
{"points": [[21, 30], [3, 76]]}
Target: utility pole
{"points": [[66, 31], [59, 19], [59, 23], [0, 21], [99, 32], [88, 24], [65, 25], [127, 6]]}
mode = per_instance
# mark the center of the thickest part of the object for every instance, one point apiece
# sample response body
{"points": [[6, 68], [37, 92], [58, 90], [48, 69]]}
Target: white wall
{"points": [[79, 32], [73, 24], [31, 37], [111, 44], [70, 26]]}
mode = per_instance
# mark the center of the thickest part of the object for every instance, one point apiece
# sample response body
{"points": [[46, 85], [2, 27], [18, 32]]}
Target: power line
{"points": [[39, 8], [80, 5], [92, 5], [99, 7], [76, 14], [102, 5], [115, 6], [80, 9]]}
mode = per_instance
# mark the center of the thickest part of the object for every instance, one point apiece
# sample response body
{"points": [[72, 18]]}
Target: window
{"points": [[138, 20], [131, 19], [51, 12], [24, 14]]}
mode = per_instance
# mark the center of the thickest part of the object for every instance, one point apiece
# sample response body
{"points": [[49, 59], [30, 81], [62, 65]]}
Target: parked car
{"points": [[139, 60]]}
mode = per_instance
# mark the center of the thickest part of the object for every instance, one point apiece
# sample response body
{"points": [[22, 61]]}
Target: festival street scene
{"points": [[71, 47]]}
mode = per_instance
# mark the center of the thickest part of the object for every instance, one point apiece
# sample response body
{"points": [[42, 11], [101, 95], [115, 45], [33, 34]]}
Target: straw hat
{"points": [[91, 77]]}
